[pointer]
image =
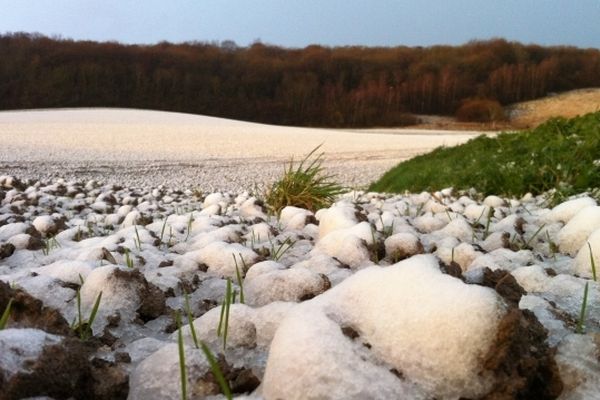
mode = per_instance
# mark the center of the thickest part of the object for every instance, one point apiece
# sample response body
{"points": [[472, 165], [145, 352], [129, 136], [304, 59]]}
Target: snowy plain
{"points": [[138, 147], [442, 295]]}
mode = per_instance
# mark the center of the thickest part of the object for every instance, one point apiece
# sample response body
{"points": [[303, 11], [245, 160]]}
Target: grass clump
{"points": [[560, 155], [305, 186]]}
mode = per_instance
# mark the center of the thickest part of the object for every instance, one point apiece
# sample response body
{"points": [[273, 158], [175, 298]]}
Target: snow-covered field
{"points": [[434, 295], [146, 148], [431, 295]]}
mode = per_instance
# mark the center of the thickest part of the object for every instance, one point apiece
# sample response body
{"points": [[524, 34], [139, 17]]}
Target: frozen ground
{"points": [[144, 148], [434, 295]]}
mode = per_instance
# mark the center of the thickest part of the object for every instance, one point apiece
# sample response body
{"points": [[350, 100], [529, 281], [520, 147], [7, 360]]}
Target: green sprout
{"points": [[216, 370], [182, 370], [128, 259], [240, 279], [277, 251], [5, 315], [592, 262], [84, 327], [138, 242], [224, 319], [581, 322]]}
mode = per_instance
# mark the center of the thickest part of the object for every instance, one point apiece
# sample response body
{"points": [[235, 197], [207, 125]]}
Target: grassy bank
{"points": [[562, 154]]}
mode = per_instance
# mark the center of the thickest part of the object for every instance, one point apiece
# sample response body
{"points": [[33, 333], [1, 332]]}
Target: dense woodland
{"points": [[313, 86]]}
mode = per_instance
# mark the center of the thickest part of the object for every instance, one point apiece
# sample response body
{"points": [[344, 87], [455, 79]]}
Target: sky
{"points": [[298, 23]]}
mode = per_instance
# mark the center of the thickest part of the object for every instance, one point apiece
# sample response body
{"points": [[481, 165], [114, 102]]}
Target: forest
{"points": [[312, 86]]}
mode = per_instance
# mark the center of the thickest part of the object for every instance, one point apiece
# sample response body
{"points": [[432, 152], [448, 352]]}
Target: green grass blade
{"points": [[581, 322], [182, 369], [5, 315], [162, 230], [220, 327], [239, 277], [534, 235], [216, 370], [228, 297], [79, 314], [188, 311], [592, 262], [93, 315]]}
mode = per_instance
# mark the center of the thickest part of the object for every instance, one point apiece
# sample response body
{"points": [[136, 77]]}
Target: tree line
{"points": [[313, 86]]}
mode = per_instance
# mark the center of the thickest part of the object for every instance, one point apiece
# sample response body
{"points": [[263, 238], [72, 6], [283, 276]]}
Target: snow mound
{"points": [[574, 234], [399, 313], [583, 262], [568, 209]]}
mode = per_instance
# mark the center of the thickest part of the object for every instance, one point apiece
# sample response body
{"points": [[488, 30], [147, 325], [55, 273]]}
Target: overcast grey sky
{"points": [[297, 23]]}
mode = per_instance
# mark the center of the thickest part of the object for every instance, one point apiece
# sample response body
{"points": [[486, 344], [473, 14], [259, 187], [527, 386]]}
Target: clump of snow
{"points": [[430, 327], [349, 245], [21, 347], [494, 201], [44, 224], [158, 376], [532, 278], [293, 284], [575, 233], [294, 217], [583, 261], [503, 259], [428, 222], [577, 359], [568, 209], [66, 270], [402, 245], [221, 257], [119, 296], [338, 216]]}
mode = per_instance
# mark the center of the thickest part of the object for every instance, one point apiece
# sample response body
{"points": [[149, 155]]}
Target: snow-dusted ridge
{"points": [[140, 147], [379, 296]]}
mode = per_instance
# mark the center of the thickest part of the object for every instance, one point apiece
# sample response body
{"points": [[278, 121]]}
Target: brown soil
{"points": [[29, 312], [520, 357]]}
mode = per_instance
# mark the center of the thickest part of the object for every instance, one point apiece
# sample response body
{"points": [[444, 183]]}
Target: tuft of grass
{"points": [[277, 251], [49, 244], [305, 186], [5, 315], [560, 155], [82, 326]]}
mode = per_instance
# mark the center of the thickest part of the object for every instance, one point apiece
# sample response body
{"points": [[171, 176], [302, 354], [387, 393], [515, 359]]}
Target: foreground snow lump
{"points": [[419, 296], [404, 331]]}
